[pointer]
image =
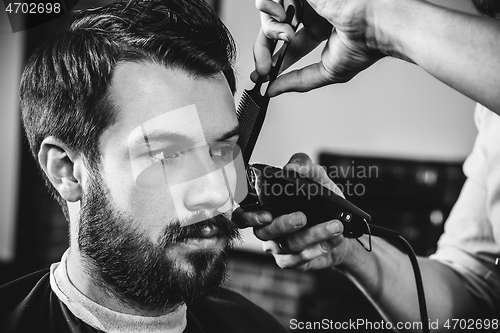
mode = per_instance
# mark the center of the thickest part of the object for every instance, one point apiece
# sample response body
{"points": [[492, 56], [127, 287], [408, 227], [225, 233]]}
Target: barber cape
{"points": [[30, 304]]}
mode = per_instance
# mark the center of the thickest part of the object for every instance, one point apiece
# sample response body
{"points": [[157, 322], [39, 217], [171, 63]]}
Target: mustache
{"points": [[176, 231]]}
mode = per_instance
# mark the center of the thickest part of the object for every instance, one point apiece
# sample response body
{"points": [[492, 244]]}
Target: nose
{"points": [[210, 191]]}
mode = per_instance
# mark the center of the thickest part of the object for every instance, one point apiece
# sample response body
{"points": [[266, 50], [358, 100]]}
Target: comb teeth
{"points": [[244, 103], [247, 113], [252, 108]]}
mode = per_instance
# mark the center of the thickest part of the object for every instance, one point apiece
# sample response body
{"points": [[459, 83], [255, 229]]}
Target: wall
{"points": [[393, 109], [10, 64]]}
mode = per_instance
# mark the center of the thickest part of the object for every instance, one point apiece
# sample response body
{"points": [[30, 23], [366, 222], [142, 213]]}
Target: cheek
{"points": [[150, 208], [236, 174], [153, 207]]}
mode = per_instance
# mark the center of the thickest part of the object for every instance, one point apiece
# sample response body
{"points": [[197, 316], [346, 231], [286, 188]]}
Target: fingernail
{"points": [[298, 220], [282, 36], [264, 217], [334, 227]]}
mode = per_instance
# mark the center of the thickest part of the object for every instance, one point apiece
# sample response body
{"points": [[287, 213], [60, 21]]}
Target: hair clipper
{"points": [[282, 191]]}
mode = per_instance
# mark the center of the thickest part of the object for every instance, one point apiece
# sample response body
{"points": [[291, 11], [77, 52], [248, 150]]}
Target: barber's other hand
{"points": [[342, 23], [317, 247]]}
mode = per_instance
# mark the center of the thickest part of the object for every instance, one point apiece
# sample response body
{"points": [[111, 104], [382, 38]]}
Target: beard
{"points": [[489, 8], [127, 265]]}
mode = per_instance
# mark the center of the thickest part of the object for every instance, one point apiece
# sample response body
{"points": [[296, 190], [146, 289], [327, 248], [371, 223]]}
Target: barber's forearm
{"points": [[459, 49], [386, 276]]}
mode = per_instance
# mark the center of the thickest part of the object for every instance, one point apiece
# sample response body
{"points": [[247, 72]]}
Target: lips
{"points": [[218, 229], [205, 237], [208, 231], [199, 231]]}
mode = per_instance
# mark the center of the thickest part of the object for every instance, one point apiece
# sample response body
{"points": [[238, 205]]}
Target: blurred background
{"points": [[408, 129]]}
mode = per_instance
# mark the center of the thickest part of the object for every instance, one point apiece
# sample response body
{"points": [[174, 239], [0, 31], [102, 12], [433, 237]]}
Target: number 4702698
{"points": [[472, 324], [33, 8]]}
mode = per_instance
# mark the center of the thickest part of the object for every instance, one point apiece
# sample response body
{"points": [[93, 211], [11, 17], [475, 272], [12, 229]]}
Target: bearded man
{"points": [[131, 116]]}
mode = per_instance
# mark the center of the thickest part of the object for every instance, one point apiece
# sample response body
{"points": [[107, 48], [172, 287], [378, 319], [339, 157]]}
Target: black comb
{"points": [[252, 108]]}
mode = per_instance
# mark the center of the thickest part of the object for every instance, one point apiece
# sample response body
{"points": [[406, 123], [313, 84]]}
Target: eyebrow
{"points": [[229, 134], [160, 137], [157, 136]]}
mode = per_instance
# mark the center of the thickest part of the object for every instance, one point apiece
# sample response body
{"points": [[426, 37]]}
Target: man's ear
{"points": [[63, 167]]}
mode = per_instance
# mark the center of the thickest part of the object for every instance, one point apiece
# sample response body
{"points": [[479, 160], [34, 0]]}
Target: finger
{"points": [[305, 238], [270, 247], [272, 16], [262, 49], [320, 175], [302, 45], [300, 159], [266, 41], [255, 75], [244, 219], [302, 80], [280, 226], [320, 249], [315, 30], [309, 257], [275, 29], [271, 8], [317, 255], [334, 188], [264, 61], [301, 163]]}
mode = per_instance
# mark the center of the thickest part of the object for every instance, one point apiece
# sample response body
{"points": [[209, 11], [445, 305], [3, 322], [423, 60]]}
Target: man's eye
{"points": [[224, 151], [166, 155]]}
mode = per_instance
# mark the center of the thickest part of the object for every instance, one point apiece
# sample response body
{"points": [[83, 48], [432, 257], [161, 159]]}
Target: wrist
{"points": [[356, 256], [389, 26], [366, 268]]}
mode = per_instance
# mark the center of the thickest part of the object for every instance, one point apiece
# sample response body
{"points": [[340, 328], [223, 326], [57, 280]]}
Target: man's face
{"points": [[154, 224]]}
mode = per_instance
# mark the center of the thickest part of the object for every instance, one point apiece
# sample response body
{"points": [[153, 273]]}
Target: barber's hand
{"points": [[319, 246], [342, 23]]}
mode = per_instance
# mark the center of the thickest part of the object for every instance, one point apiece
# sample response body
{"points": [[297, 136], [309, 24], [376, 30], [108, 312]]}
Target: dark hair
{"points": [[489, 8], [64, 86]]}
